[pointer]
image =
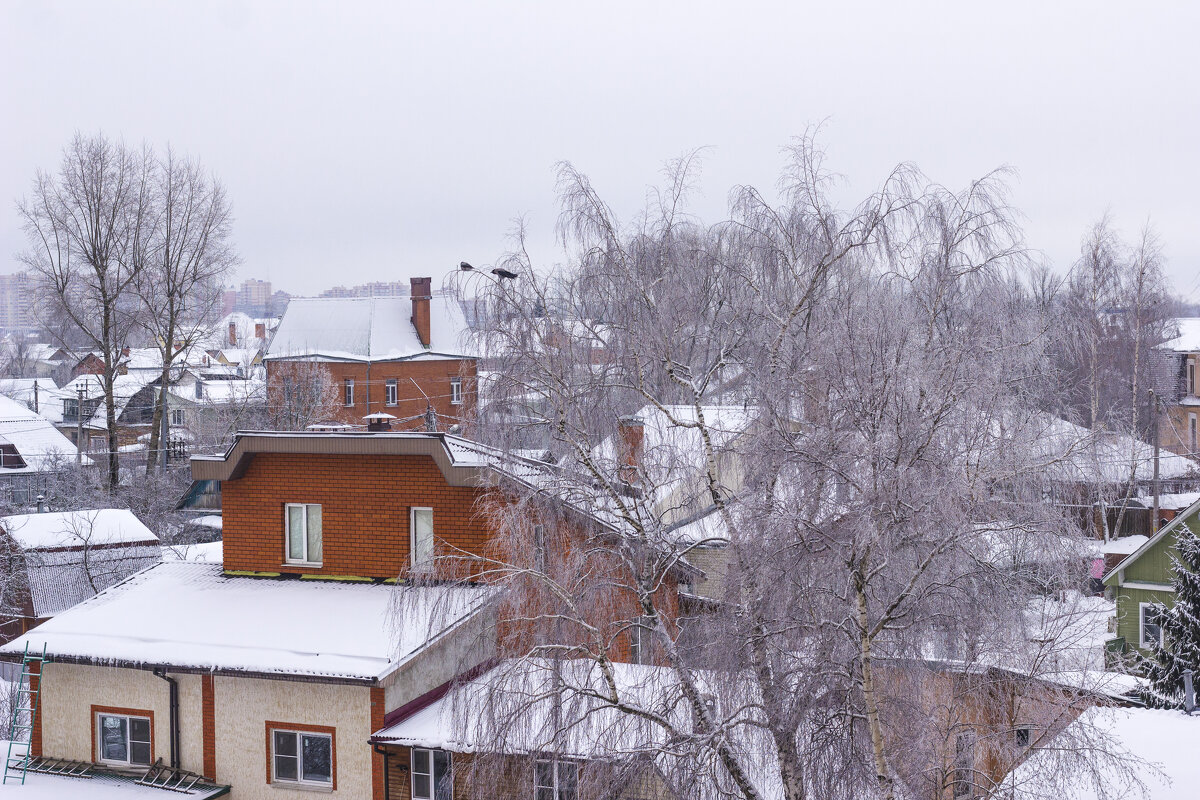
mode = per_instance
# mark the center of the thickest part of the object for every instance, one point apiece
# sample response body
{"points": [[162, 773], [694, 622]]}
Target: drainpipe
{"points": [[174, 722], [387, 792]]}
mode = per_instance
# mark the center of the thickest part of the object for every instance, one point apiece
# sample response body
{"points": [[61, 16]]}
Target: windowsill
{"points": [[304, 787], [124, 767], [312, 564]]}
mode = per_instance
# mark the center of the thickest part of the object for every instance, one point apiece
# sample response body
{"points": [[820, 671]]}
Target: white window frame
{"points": [[456, 393], [1192, 433], [1191, 377], [287, 533], [433, 787], [426, 563], [640, 641], [128, 762], [348, 392], [300, 780], [1142, 622], [177, 417], [391, 392], [556, 779]]}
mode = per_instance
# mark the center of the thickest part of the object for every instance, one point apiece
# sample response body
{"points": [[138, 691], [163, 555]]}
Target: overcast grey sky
{"points": [[374, 141]]}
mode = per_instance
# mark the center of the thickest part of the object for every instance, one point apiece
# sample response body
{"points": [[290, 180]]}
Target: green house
{"points": [[1142, 582]]}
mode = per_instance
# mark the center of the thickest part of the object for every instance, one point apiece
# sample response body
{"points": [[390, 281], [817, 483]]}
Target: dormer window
{"points": [[302, 522]]}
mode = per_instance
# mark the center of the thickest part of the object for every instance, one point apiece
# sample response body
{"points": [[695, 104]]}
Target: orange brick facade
{"points": [[365, 502], [432, 377]]}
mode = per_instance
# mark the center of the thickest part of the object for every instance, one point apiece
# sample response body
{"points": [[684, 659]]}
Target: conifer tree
{"points": [[1179, 647]]}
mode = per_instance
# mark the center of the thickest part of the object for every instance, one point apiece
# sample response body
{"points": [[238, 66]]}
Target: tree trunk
{"points": [[870, 700]]}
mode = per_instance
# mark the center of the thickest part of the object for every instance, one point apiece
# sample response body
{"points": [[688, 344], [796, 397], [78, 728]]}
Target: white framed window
{"points": [[199, 390], [640, 641], [456, 391], [1023, 736], [539, 548], [391, 392], [1149, 624], [432, 777], [1191, 377], [301, 757], [302, 523], [964, 765], [123, 739], [348, 390], [555, 780], [177, 417], [420, 528]]}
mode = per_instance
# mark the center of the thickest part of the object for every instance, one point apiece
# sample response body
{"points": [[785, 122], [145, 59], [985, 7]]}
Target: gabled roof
{"points": [[62, 529], [367, 329], [191, 616], [1188, 340], [1164, 531], [40, 445]]}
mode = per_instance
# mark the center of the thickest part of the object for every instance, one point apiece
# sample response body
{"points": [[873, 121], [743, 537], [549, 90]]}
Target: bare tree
{"points": [[886, 360], [188, 257], [300, 394], [88, 229]]}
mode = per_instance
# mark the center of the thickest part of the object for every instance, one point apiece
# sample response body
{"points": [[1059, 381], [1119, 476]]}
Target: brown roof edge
{"points": [[196, 670], [232, 465]]}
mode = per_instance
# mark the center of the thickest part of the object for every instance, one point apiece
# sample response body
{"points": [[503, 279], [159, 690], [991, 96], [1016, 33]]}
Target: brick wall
{"points": [[432, 376], [365, 502]]}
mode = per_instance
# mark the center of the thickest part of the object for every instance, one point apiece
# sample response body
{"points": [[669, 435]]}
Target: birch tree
{"points": [[89, 228], [886, 364], [189, 255]]}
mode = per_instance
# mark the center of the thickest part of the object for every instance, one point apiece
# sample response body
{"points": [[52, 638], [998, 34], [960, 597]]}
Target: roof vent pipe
{"points": [[630, 435], [1189, 692], [41, 504]]}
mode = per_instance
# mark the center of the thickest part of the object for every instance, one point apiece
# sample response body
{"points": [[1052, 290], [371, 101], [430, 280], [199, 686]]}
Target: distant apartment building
{"points": [[1179, 390], [255, 298], [373, 289], [16, 303]]}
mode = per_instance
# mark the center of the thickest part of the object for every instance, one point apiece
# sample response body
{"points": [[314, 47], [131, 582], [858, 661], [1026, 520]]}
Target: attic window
{"points": [[10, 458]]}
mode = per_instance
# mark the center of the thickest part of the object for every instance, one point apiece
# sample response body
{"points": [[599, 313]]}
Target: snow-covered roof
{"points": [[58, 580], [35, 438], [208, 552], [96, 528], [99, 785], [1075, 453], [124, 389], [21, 389], [1172, 502], [1188, 340], [367, 329], [191, 615], [1151, 749]]}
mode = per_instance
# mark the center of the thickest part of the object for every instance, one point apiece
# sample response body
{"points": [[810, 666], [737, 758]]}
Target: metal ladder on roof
{"points": [[23, 715]]}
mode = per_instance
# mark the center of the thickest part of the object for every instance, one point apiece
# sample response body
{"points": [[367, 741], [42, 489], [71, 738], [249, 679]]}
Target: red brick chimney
{"points": [[232, 334], [630, 433], [260, 330], [421, 289]]}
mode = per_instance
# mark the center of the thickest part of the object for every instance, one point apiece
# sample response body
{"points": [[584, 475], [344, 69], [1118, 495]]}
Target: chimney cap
{"points": [[632, 420], [378, 416]]}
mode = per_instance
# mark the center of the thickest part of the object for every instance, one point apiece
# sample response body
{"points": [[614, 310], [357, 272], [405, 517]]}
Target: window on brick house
{"points": [[301, 757], [555, 780], [432, 778], [123, 739], [302, 522], [392, 393], [640, 641], [1191, 377], [456, 391], [348, 387], [420, 526]]}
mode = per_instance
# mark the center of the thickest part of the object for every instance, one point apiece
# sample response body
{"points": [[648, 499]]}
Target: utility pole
{"points": [[35, 396], [1154, 418]]}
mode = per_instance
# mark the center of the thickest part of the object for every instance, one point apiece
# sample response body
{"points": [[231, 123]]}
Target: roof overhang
{"points": [[1116, 575], [232, 465]]}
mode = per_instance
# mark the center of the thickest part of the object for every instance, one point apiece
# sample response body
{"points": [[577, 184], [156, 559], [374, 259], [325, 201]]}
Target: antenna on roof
{"points": [[430, 415]]}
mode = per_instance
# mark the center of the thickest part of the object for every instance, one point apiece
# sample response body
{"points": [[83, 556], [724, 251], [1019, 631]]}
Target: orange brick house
{"points": [[393, 355], [267, 674]]}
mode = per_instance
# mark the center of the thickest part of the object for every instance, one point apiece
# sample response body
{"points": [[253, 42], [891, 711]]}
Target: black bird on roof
{"points": [[501, 272], [465, 267]]}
